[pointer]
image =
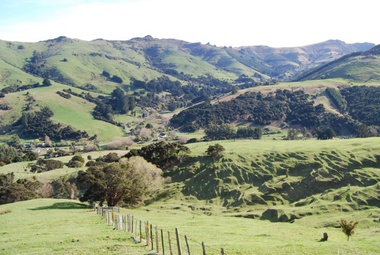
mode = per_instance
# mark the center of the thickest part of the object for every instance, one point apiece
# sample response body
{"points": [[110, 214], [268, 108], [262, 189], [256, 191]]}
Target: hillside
{"points": [[52, 226], [149, 77], [312, 108], [294, 176], [292, 61], [81, 63], [359, 67]]}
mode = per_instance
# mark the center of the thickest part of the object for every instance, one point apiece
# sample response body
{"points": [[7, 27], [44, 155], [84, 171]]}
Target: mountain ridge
{"points": [[155, 57], [159, 74]]}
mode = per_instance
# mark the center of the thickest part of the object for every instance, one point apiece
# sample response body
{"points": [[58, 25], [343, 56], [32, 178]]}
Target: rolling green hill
{"points": [[78, 62], [360, 67], [311, 182], [98, 67], [297, 175]]}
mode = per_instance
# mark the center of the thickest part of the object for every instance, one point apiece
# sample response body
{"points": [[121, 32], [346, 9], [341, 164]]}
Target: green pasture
{"points": [[74, 111], [52, 226], [196, 67], [358, 146], [238, 230], [205, 222], [22, 171]]}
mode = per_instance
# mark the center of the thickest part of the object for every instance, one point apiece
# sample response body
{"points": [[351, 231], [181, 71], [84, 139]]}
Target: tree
{"points": [[120, 182], [220, 132], [15, 142], [292, 134], [233, 90], [116, 79], [8, 154], [46, 82], [215, 151], [348, 227], [76, 161], [13, 191], [325, 133], [162, 154]]}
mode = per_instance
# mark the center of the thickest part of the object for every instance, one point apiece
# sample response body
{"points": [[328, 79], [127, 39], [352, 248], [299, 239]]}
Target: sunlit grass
{"points": [[49, 226]]}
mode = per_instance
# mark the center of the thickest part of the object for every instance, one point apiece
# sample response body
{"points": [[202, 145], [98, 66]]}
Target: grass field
{"points": [[48, 226], [21, 169], [243, 236]]}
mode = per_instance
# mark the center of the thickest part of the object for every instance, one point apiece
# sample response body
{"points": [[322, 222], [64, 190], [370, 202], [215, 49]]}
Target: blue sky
{"points": [[276, 23]]}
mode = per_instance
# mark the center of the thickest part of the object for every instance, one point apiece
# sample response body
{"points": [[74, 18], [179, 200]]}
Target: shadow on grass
{"points": [[62, 206]]}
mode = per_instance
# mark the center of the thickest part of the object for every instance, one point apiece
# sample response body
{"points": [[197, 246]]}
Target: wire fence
{"points": [[156, 239]]}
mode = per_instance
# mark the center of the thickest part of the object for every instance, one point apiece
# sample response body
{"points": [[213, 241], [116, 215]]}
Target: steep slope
{"points": [[360, 67], [290, 61]]}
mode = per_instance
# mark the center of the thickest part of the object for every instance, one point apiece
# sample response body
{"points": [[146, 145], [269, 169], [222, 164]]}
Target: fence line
{"points": [[152, 236]]}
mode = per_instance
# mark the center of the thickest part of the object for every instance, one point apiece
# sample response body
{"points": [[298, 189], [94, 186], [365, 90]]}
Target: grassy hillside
{"points": [[48, 226], [225, 203], [342, 173], [339, 174], [74, 111], [357, 67], [82, 62], [80, 66], [206, 222]]}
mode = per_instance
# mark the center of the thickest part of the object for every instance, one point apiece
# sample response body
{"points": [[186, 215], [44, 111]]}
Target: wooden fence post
{"points": [[109, 218], [140, 232], [170, 244], [147, 233], [157, 244], [125, 226], [120, 222], [136, 228], [162, 242], [203, 248], [116, 223], [132, 225], [178, 242], [151, 235], [129, 222], [187, 245]]}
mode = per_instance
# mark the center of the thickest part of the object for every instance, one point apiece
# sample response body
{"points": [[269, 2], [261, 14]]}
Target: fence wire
{"points": [[156, 239]]}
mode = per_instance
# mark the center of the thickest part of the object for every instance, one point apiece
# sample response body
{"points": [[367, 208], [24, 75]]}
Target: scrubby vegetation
{"points": [[115, 182], [348, 227]]}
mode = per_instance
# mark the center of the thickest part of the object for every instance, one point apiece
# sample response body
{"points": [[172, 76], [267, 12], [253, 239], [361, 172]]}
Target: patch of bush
{"points": [[76, 161]]}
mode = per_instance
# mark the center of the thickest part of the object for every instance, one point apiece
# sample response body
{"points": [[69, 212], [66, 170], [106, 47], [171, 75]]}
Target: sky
{"points": [[274, 23]]}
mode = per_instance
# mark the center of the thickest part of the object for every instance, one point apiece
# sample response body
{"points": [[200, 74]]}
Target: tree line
{"points": [[37, 124], [295, 108]]}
